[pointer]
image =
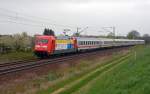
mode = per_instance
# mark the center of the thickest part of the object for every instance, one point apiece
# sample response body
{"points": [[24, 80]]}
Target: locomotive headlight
{"points": [[37, 46], [45, 47]]}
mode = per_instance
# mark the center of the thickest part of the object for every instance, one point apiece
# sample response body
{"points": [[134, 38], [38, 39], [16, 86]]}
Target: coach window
{"points": [[80, 42], [84, 42], [94, 42], [97, 42]]}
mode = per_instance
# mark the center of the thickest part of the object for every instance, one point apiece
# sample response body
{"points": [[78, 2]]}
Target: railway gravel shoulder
{"points": [[8, 68], [16, 67]]}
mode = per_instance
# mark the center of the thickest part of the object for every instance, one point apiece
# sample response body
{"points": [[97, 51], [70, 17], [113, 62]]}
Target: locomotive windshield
{"points": [[42, 41]]}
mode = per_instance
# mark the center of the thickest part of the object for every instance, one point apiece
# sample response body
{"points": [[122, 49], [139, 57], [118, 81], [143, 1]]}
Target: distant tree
{"points": [[17, 41], [48, 32], [24, 34], [120, 37], [26, 41], [146, 35], [76, 34], [22, 42], [110, 35], [60, 35], [6, 43], [134, 34]]}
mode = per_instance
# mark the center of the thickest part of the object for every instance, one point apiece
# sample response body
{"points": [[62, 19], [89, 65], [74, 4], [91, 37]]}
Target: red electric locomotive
{"points": [[49, 45]]}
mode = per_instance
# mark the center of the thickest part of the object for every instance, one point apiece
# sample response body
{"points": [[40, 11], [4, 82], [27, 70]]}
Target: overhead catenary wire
{"points": [[16, 16], [11, 16], [22, 14], [22, 23]]}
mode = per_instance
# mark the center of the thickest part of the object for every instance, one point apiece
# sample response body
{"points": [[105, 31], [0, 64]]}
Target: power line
{"points": [[18, 18], [8, 21], [24, 17], [22, 14]]}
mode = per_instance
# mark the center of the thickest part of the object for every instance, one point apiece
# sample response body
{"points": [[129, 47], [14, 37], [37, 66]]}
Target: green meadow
{"points": [[128, 74]]}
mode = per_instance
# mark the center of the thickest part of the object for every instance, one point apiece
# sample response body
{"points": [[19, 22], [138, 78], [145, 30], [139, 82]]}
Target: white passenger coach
{"points": [[92, 43]]}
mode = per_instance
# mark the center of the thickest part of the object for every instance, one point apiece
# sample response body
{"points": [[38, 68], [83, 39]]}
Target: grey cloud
{"points": [[134, 15]]}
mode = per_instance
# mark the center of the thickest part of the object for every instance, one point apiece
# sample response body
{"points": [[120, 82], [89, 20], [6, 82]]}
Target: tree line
{"points": [[16, 42], [134, 34]]}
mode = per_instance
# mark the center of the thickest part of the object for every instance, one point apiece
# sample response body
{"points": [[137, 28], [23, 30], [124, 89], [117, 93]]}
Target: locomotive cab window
{"points": [[43, 41]]}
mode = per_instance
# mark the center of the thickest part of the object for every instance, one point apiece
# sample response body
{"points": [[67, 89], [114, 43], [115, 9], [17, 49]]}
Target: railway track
{"points": [[8, 68]]}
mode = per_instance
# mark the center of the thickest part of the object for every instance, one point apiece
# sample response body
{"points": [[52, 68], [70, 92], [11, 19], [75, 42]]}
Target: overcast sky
{"points": [[32, 16]]}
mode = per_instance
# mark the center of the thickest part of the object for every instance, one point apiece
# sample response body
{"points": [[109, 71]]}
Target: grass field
{"points": [[132, 76], [16, 56], [129, 74]]}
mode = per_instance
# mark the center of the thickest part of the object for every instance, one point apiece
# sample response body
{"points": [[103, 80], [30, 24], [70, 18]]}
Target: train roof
{"points": [[103, 39], [87, 38], [42, 36]]}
